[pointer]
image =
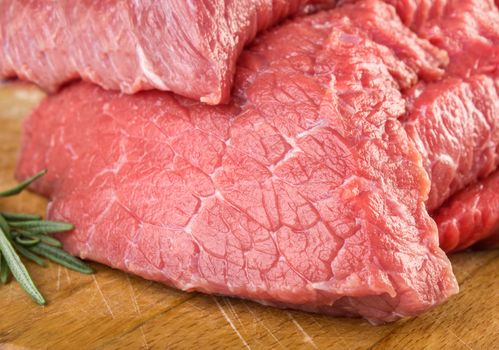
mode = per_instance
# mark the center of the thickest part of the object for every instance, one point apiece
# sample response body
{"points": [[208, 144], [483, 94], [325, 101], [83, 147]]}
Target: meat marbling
{"points": [[304, 192], [189, 47]]}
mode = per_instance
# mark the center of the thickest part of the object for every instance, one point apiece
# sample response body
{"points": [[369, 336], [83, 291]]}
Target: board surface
{"points": [[111, 309]]}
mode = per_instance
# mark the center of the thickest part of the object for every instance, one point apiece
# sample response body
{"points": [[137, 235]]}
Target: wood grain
{"points": [[111, 309]]}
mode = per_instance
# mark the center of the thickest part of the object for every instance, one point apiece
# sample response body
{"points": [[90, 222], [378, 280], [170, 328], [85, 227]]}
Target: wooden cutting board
{"points": [[112, 310]]}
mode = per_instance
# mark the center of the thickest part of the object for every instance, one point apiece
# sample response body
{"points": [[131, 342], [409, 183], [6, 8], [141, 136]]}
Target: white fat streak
{"points": [[445, 159], [295, 149], [148, 71]]}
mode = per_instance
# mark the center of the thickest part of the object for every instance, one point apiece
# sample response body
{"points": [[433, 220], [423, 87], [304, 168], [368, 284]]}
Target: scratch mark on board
{"points": [[68, 277], [144, 337], [145, 287], [307, 337], [191, 304], [229, 321], [340, 337], [260, 321], [58, 277], [460, 340], [234, 312], [103, 297], [133, 296]]}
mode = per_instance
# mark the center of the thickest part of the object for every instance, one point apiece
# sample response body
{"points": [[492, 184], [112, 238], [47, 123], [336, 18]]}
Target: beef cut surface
{"points": [[455, 126], [455, 122], [189, 47], [304, 192], [472, 216]]}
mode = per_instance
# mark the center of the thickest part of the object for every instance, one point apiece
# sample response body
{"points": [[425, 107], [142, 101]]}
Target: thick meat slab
{"points": [[455, 126], [472, 216], [189, 47], [467, 29], [305, 192], [455, 122]]}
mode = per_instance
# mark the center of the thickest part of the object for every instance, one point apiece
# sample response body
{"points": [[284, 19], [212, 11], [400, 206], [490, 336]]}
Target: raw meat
{"points": [[469, 31], [455, 122], [305, 192], [189, 47], [464, 108], [471, 216], [455, 126]]}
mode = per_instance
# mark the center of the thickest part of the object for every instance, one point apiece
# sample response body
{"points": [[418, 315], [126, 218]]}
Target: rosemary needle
{"points": [[29, 241], [4, 225], [4, 270], [60, 256], [18, 269], [19, 188], [37, 226], [29, 255], [19, 217], [27, 235], [43, 238]]}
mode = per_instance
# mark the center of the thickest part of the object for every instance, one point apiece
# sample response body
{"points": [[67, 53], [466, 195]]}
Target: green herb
{"points": [[29, 255], [41, 227], [61, 257], [20, 217], [18, 269], [20, 187], [27, 235], [4, 271]]}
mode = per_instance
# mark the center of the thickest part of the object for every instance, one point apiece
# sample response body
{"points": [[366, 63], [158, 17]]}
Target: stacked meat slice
{"points": [[313, 188], [465, 106], [189, 47]]}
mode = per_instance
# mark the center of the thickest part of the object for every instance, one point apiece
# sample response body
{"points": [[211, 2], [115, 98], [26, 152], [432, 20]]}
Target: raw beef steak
{"points": [[189, 47], [305, 192], [461, 149], [455, 126], [469, 31], [471, 216], [465, 109]]}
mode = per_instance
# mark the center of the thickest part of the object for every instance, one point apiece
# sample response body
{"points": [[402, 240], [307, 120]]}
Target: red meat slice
{"points": [[467, 29], [464, 108], [305, 192], [189, 47], [455, 126], [471, 216]]}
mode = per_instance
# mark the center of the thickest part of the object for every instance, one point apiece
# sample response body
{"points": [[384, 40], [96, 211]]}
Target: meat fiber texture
{"points": [[465, 151], [304, 192], [472, 216], [189, 47]]}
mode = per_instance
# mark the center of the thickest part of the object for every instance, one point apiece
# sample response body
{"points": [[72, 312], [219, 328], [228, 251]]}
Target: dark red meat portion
{"points": [[472, 216], [189, 47], [304, 192]]}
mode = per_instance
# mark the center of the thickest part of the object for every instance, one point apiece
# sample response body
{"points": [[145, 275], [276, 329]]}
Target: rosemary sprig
{"points": [[27, 235], [20, 187]]}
